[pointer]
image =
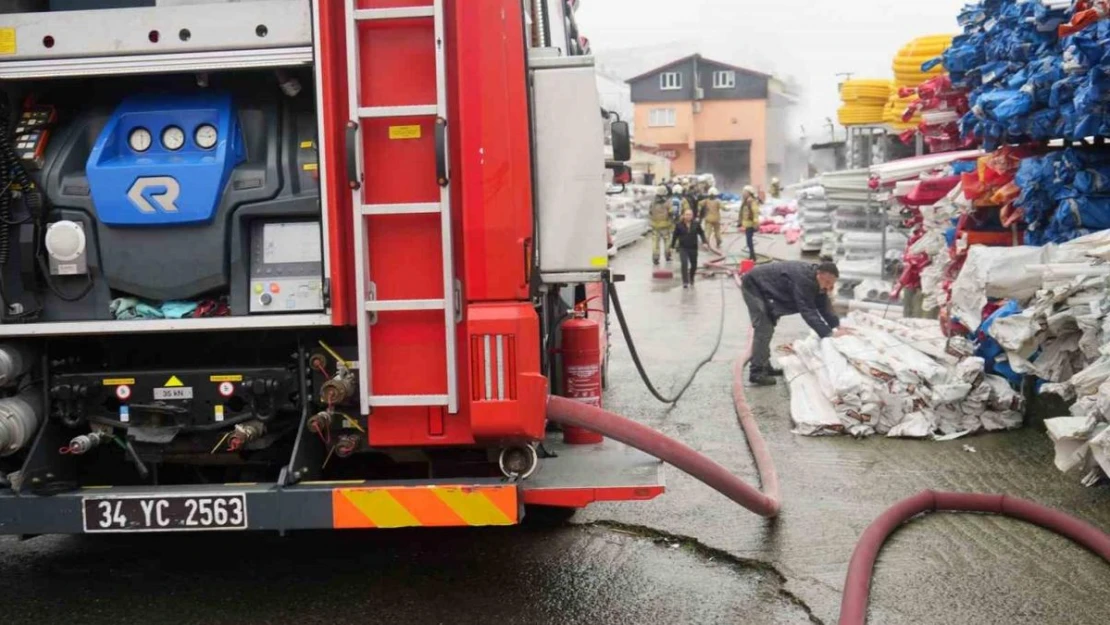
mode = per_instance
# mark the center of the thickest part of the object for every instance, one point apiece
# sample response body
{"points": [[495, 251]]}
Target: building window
{"points": [[724, 80], [662, 118], [670, 81]]}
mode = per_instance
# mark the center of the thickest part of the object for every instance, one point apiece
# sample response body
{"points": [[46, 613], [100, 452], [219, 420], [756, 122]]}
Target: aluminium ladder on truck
{"points": [[405, 278]]}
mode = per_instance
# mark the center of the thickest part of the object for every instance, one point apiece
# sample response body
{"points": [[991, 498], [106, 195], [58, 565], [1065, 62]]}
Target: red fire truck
{"points": [[287, 264]]}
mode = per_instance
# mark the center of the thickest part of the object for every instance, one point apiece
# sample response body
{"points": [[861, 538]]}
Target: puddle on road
{"points": [[585, 574]]}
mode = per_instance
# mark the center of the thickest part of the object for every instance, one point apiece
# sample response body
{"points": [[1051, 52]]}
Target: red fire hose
{"points": [[767, 504], [569, 412], [857, 586]]}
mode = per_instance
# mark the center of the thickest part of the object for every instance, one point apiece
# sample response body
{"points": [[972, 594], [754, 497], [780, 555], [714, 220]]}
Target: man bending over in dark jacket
{"points": [[777, 289]]}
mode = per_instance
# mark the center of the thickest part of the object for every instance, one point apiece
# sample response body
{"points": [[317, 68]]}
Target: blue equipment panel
{"points": [[157, 185]]}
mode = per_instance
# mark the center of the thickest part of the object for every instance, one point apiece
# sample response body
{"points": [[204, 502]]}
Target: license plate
{"points": [[183, 513], [180, 392]]}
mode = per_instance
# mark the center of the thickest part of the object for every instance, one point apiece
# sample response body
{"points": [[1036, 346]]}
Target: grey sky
{"points": [[811, 40]]}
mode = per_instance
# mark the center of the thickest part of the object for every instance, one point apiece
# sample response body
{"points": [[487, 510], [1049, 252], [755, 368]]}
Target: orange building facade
{"points": [[707, 117]]}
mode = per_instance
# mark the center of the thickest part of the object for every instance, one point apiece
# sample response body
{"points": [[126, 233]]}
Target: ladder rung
{"points": [[378, 112], [404, 305], [394, 14], [401, 401], [400, 209]]}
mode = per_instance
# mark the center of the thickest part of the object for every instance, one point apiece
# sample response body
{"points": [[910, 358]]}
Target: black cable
{"points": [[80, 295], [12, 172], [636, 356], [701, 365]]}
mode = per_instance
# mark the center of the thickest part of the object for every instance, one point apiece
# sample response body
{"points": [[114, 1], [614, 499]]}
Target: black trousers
{"points": [[763, 329], [749, 234], [689, 264]]}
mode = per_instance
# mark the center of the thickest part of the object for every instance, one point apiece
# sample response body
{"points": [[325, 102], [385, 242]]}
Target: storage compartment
{"points": [[570, 166], [163, 206]]}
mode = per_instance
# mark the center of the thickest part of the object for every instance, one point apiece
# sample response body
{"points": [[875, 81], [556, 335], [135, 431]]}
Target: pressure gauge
{"points": [[139, 140], [206, 136], [173, 138]]}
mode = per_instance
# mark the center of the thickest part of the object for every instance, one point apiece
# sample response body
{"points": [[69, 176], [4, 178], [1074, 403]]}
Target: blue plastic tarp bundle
{"points": [[1064, 194], [1024, 82], [990, 351]]}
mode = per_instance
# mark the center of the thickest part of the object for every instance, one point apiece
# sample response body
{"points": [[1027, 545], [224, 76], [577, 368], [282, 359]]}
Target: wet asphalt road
{"points": [[690, 556]]}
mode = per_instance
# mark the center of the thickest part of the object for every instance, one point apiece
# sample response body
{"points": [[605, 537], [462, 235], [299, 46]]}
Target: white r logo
{"points": [[160, 190]]}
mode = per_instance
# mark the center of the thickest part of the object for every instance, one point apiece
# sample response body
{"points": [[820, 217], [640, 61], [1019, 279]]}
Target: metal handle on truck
{"points": [[352, 156], [441, 151]]}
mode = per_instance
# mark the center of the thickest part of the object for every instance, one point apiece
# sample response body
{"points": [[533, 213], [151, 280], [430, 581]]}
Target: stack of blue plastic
{"points": [[1021, 87], [1065, 194]]}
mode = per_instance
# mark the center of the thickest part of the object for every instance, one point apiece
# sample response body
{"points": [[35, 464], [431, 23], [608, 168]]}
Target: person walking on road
{"points": [[782, 288], [686, 235], [749, 217], [710, 212], [662, 224]]}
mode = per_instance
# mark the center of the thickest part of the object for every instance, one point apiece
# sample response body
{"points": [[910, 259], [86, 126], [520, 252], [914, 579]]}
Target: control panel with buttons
{"points": [[31, 134], [286, 267]]}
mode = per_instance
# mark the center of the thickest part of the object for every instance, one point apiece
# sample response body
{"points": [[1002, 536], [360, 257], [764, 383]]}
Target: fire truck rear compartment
{"points": [[372, 308]]}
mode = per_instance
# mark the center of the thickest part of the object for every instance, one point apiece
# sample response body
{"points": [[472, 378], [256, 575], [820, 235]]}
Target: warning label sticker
{"points": [[404, 132], [225, 378], [173, 382], [117, 381], [7, 41]]}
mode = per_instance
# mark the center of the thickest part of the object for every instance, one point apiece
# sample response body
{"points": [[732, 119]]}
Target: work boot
{"points": [[773, 372], [759, 379], [655, 261]]}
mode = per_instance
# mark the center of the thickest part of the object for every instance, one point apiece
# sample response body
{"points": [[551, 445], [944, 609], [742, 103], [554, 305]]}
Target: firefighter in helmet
{"points": [[749, 217], [710, 211], [662, 225], [679, 203], [776, 188]]}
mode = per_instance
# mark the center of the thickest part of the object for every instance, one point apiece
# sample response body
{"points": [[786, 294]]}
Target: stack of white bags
{"points": [[895, 378]]}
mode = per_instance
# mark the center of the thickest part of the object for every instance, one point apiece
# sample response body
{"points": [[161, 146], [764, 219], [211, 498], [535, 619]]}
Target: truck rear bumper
{"points": [[574, 477]]}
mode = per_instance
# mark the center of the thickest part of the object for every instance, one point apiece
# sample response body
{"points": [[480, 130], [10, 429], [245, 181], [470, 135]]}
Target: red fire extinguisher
{"points": [[581, 369]]}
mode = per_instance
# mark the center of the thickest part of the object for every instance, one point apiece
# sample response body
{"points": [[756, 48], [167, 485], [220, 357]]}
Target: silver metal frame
{"points": [[156, 63], [393, 14], [362, 288], [371, 112], [399, 209], [117, 41], [445, 217], [321, 146], [370, 306], [143, 326], [119, 32]]}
